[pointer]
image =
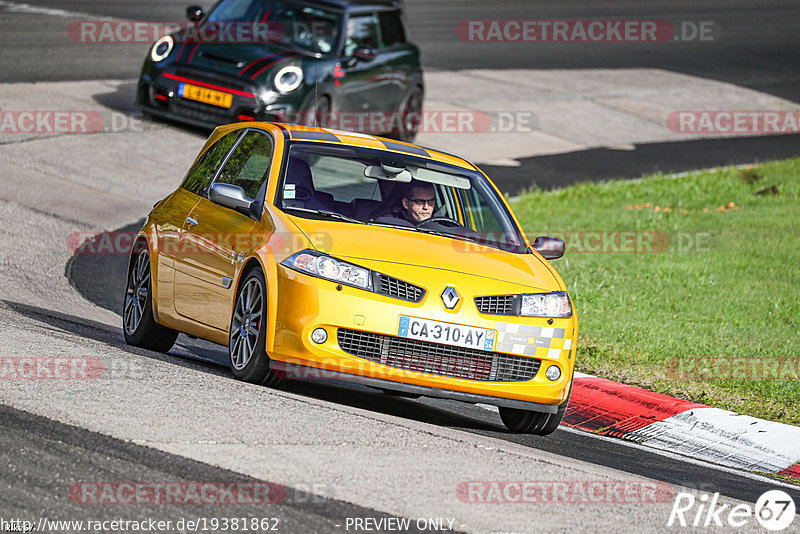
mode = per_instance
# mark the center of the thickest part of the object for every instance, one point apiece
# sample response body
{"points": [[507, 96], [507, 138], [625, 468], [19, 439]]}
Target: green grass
{"points": [[725, 289]]}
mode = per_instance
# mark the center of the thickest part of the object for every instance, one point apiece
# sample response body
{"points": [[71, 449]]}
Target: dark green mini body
{"points": [[357, 70]]}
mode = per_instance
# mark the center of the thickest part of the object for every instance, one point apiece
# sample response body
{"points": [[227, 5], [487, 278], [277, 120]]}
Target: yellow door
{"points": [[216, 238], [210, 250]]}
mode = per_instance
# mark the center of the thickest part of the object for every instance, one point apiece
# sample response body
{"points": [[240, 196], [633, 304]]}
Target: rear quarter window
{"points": [[391, 28]]}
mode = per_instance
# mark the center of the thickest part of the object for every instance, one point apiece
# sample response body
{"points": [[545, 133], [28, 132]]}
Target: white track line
{"points": [[685, 459], [16, 7]]}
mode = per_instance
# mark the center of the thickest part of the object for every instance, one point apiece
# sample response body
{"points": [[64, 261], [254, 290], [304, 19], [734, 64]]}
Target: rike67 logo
{"points": [[774, 510]]}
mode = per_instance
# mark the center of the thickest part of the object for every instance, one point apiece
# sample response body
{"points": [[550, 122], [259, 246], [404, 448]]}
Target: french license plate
{"points": [[446, 333], [207, 96]]}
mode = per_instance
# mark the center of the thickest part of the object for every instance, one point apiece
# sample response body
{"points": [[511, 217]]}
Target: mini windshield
{"points": [[373, 187], [293, 24]]}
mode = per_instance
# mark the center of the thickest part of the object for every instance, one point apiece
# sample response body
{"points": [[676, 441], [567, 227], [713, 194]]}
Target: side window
{"points": [[479, 214], [248, 166], [201, 174], [391, 28], [362, 30]]}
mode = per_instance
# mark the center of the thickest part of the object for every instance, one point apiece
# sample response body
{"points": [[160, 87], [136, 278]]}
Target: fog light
{"points": [[553, 373], [320, 336]]}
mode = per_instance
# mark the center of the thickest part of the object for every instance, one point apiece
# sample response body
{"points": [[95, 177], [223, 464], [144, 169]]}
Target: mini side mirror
{"points": [[365, 53], [195, 13], [551, 248]]}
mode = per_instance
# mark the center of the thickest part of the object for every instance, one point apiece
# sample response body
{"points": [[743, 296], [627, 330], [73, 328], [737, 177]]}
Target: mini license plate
{"points": [[446, 333], [207, 96]]}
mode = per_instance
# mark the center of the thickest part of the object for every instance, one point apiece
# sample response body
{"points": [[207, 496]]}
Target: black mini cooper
{"points": [[337, 63]]}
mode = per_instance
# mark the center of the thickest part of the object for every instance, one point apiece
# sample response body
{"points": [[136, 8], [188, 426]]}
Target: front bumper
{"points": [[158, 94], [301, 372], [304, 303]]}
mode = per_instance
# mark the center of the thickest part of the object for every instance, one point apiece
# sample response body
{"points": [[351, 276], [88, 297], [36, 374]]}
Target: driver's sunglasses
{"points": [[423, 201]]}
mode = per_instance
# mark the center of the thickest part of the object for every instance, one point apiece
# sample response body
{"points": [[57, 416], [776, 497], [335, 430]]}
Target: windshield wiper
{"points": [[445, 234], [424, 230], [328, 213]]}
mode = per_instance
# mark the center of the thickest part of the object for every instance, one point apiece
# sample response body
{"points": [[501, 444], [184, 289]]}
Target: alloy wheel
{"points": [[246, 323], [136, 293]]}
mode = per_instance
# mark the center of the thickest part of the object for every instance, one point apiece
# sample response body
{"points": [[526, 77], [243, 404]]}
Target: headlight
{"points": [[267, 97], [288, 78], [329, 268], [554, 304], [161, 49]]}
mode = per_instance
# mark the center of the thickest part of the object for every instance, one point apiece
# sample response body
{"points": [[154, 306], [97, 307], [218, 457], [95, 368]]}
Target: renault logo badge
{"points": [[450, 297]]}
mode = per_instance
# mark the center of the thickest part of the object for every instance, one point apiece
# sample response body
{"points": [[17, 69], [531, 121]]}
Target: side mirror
{"points": [[230, 196], [365, 53], [551, 248], [195, 13]]}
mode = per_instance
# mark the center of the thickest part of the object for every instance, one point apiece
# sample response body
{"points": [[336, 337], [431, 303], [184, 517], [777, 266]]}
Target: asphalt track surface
{"points": [[77, 454], [754, 45], [757, 49]]}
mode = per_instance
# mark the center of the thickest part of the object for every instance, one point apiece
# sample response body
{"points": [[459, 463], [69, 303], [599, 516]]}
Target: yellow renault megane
{"points": [[311, 253]]}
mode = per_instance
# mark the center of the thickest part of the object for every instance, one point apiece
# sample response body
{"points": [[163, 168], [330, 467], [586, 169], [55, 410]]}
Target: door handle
{"points": [[191, 221]]}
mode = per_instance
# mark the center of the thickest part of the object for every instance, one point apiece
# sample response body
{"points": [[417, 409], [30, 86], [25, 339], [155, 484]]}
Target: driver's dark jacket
{"points": [[396, 216]]}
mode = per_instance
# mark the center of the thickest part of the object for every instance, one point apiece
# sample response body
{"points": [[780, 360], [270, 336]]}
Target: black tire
{"points": [[247, 339], [410, 116], [138, 323], [538, 423]]}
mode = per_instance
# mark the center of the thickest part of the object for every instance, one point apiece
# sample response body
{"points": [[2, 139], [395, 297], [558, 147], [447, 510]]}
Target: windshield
{"points": [[292, 24], [372, 187]]}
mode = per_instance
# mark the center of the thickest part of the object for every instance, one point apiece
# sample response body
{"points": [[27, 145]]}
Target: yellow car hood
{"points": [[369, 244]]}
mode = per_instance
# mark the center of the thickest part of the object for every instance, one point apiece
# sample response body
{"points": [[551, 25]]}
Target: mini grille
{"points": [[437, 359], [224, 81], [496, 304], [393, 287], [203, 112]]}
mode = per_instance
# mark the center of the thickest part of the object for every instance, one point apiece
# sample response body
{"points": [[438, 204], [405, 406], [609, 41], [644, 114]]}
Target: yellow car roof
{"points": [[296, 132]]}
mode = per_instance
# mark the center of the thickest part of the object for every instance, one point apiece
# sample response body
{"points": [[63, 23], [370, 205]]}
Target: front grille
{"points": [[497, 304], [437, 359], [399, 289], [200, 111], [215, 79]]}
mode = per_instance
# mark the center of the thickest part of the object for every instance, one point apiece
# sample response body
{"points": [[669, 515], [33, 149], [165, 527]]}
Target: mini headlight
{"points": [[324, 266], [267, 97], [162, 48], [554, 304], [288, 78]]}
